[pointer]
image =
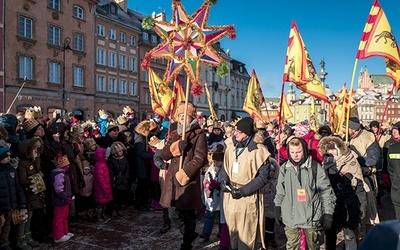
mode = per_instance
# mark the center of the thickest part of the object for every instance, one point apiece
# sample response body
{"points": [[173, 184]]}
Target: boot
{"points": [[21, 244], [30, 241], [99, 213]]}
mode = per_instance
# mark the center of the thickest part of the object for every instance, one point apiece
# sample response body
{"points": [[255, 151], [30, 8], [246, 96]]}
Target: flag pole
{"points": [[185, 118], [350, 101], [280, 119], [385, 111], [16, 96]]}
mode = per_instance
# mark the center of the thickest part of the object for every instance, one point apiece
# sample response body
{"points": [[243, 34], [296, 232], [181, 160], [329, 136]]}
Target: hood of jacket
{"points": [[332, 142], [25, 147]]}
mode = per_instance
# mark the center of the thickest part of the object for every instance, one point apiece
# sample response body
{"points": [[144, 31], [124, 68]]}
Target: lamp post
{"points": [[65, 46]]}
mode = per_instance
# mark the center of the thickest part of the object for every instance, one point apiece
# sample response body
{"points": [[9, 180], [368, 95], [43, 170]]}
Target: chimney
{"points": [[123, 4]]}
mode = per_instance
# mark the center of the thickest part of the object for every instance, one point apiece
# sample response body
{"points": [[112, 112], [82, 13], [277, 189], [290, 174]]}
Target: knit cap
{"points": [[246, 125], [354, 123], [4, 152]]}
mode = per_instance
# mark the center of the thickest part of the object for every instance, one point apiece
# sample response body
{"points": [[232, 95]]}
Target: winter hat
{"points": [[4, 152], [10, 122], [61, 161], [302, 128], [31, 125], [191, 109], [354, 123], [246, 125], [374, 124], [396, 126]]}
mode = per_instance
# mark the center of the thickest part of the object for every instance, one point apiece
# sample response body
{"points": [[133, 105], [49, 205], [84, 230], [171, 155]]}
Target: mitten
{"points": [[182, 145], [214, 184], [174, 149], [182, 177], [278, 215], [236, 194], [68, 201], [326, 221], [226, 187]]}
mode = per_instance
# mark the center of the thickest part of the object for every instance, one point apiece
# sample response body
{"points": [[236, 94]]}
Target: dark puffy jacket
{"points": [[119, 173], [11, 194]]}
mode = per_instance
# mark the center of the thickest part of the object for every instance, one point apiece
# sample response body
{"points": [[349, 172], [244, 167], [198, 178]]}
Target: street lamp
{"points": [[65, 46]]}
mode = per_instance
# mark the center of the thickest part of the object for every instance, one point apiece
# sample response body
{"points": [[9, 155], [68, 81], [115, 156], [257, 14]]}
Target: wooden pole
{"points": [[16, 96], [185, 119], [384, 112], [350, 102]]}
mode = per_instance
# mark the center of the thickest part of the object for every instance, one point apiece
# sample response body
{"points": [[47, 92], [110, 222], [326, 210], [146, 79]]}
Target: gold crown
{"points": [[102, 113], [260, 124], [127, 110], [122, 119], [216, 124], [61, 161], [210, 121], [77, 129], [88, 143], [111, 125], [33, 112], [30, 124], [236, 121]]}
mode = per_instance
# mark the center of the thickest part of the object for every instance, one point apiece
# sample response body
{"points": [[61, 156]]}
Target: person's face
{"points": [[296, 152], [351, 131], [210, 129], [5, 160], [239, 135], [324, 133], [39, 131], [375, 129], [86, 171], [113, 133], [217, 131], [189, 119], [395, 133], [333, 152], [120, 153], [93, 148], [298, 134]]}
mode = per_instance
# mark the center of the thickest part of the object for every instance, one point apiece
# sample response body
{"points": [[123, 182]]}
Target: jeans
{"points": [[209, 222]]}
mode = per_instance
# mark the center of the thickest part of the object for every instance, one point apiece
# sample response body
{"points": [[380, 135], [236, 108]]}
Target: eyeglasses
{"points": [[238, 132]]}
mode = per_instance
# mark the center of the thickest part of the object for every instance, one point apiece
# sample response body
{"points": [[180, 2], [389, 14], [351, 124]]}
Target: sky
{"points": [[331, 31]]}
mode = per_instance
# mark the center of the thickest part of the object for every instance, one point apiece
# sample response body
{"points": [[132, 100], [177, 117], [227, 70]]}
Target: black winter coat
{"points": [[119, 173], [11, 194]]}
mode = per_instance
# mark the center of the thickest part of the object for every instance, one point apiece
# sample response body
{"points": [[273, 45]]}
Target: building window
{"points": [[133, 88], [111, 85], [146, 76], [122, 37], [101, 57], [153, 39], [101, 84], [122, 62], [132, 61], [145, 36], [78, 42], [26, 67], [78, 76], [54, 4], [54, 72], [132, 41], [147, 99], [122, 86], [25, 27], [100, 30], [78, 12], [112, 59], [112, 34], [54, 35]]}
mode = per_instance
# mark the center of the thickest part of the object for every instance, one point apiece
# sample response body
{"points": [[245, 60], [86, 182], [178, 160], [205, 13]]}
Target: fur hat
{"points": [[191, 109], [246, 125], [61, 161], [4, 152], [146, 127], [116, 147], [354, 123], [102, 113], [31, 125], [332, 142]]}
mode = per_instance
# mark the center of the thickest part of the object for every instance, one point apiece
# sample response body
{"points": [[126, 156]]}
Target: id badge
{"points": [[301, 195], [235, 168]]}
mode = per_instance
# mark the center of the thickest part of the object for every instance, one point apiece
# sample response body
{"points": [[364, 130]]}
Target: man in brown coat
{"points": [[182, 183]]}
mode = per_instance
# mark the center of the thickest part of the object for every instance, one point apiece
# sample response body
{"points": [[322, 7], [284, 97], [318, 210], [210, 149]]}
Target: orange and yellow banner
{"points": [[284, 113], [210, 102], [160, 94], [254, 98]]}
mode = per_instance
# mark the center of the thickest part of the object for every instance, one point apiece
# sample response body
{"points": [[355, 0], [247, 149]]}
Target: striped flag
{"points": [[254, 98], [210, 102], [178, 96], [160, 94], [377, 38]]}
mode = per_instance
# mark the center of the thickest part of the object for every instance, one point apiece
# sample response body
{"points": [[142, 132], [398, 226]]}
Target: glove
{"points": [[214, 184], [278, 215], [385, 180], [182, 145], [68, 201], [326, 221], [174, 149], [236, 194], [226, 187], [182, 177]]}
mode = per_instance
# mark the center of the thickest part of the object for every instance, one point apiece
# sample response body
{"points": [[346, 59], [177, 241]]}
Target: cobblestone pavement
{"points": [[140, 230]]}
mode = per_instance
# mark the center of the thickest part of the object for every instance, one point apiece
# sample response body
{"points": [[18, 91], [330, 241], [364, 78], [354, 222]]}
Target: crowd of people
{"points": [[246, 176]]}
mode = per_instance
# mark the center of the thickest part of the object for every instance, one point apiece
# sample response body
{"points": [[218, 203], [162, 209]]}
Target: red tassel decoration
{"points": [[196, 89], [231, 32], [146, 62]]}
